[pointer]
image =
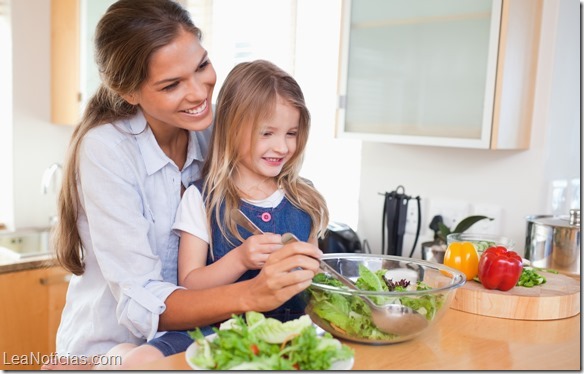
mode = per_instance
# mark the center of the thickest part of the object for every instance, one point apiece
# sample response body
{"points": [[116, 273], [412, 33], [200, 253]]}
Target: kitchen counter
{"points": [[25, 249], [464, 341], [10, 264]]}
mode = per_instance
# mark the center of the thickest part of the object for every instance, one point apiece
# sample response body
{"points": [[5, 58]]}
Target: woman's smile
{"points": [[200, 110]]}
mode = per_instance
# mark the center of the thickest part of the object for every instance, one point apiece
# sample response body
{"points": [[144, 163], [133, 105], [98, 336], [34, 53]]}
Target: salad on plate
{"points": [[259, 343]]}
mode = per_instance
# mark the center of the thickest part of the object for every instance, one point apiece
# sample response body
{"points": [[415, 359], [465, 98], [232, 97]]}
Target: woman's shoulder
{"points": [[112, 134], [106, 132]]}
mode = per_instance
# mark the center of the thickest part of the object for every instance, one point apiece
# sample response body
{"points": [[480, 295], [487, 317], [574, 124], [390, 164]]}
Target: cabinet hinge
{"points": [[342, 101]]}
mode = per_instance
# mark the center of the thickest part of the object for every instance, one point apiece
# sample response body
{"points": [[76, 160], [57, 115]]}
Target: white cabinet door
{"points": [[421, 72]]}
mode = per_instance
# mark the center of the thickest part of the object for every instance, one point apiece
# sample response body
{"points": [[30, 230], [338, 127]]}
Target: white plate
{"points": [[192, 349]]}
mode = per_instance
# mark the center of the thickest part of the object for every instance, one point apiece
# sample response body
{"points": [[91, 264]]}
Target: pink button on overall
{"points": [[266, 217]]}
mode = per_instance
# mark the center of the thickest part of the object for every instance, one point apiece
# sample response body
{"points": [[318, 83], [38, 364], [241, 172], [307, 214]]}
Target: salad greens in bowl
{"points": [[426, 287], [259, 343]]}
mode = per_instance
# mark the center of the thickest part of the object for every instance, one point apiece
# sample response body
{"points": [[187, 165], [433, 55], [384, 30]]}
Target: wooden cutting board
{"points": [[558, 298]]}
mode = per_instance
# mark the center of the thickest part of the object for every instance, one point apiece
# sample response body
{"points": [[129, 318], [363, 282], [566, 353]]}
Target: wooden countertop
{"points": [[464, 341], [9, 264]]}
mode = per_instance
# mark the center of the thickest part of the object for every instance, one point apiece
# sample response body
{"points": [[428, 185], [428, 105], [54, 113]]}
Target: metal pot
{"points": [[554, 241], [433, 251]]}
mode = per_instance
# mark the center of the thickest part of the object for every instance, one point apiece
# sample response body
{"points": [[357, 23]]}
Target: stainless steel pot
{"points": [[554, 241]]}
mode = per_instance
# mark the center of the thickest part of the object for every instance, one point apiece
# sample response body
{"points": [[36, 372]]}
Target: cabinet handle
{"points": [[55, 279]]}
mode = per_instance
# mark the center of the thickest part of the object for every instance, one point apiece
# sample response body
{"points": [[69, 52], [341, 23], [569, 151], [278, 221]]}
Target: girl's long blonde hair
{"points": [[125, 39], [247, 97]]}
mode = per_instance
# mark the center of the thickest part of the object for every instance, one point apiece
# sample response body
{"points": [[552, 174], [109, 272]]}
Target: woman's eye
{"points": [[170, 86], [204, 64]]}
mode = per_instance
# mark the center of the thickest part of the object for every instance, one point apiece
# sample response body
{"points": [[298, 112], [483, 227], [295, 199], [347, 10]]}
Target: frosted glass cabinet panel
{"points": [[91, 13], [419, 71]]}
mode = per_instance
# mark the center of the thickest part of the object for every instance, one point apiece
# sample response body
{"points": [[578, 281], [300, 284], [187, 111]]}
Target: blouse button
{"points": [[266, 217]]}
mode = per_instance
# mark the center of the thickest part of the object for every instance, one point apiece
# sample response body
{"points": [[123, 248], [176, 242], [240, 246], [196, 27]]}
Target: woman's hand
{"points": [[256, 249], [286, 272]]}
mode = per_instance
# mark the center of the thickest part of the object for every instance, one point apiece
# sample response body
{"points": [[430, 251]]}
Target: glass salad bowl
{"points": [[481, 241], [422, 287]]}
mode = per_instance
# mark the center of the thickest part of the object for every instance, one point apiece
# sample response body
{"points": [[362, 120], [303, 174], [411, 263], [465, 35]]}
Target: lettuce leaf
{"points": [[274, 331], [290, 346], [351, 315], [205, 358]]}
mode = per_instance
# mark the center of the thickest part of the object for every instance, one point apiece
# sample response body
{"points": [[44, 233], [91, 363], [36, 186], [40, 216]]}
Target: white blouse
{"points": [[129, 193]]}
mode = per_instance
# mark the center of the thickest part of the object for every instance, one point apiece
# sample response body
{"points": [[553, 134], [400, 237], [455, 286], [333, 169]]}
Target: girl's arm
{"points": [[313, 240], [194, 274]]}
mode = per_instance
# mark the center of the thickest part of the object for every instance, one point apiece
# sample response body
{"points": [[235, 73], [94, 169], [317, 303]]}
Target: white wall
{"points": [[6, 205], [37, 143], [333, 165], [517, 181]]}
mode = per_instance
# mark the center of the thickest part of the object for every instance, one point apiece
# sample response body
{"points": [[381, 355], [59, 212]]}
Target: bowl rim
{"points": [[473, 237], [458, 276]]}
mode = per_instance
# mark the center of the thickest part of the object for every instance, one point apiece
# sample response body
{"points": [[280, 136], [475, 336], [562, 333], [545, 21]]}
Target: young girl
{"points": [[256, 152], [141, 142]]}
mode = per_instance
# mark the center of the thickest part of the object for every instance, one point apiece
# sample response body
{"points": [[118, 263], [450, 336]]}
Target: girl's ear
{"points": [[131, 98]]}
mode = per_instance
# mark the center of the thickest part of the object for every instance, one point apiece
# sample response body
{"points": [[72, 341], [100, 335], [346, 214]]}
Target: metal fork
{"points": [[244, 221]]}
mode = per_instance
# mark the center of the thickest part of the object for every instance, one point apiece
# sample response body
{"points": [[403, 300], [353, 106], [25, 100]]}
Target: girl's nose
{"points": [[281, 145]]}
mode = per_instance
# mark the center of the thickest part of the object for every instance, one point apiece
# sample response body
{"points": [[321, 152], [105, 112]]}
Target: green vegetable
{"points": [[352, 316], [442, 231], [529, 278], [547, 270], [272, 330], [370, 281], [482, 245], [293, 345]]}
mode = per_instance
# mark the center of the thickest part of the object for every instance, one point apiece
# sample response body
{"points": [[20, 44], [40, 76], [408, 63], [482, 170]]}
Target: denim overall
{"points": [[280, 219]]}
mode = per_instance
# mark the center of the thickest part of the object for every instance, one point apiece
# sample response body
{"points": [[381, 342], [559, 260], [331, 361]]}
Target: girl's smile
{"points": [[274, 161], [263, 158]]}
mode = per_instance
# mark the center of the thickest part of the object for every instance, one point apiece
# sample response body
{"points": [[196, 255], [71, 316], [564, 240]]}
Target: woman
{"points": [[142, 140]]}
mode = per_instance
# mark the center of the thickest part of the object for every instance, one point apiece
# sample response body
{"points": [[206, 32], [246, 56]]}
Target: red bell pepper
{"points": [[499, 268]]}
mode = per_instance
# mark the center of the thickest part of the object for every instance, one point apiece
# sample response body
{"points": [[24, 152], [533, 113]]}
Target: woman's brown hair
{"points": [[126, 37]]}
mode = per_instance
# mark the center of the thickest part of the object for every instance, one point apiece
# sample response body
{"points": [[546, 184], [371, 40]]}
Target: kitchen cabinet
{"points": [[32, 302], [452, 73], [74, 76]]}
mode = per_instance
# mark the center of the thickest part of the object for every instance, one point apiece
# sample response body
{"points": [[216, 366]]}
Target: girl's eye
{"points": [[292, 133]]}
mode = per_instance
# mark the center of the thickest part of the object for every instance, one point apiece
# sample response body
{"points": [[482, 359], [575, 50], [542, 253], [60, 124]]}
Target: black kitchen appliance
{"points": [[339, 238], [393, 223]]}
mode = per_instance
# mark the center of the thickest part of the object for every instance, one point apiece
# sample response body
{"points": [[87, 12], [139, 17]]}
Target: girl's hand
{"points": [[256, 249], [280, 279]]}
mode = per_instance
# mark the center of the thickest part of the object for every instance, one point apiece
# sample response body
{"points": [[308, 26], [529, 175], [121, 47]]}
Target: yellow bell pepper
{"points": [[463, 256]]}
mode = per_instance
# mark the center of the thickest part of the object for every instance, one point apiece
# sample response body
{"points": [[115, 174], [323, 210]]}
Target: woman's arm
{"points": [[275, 284], [117, 224]]}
